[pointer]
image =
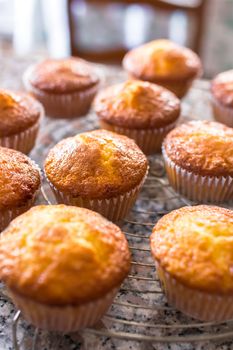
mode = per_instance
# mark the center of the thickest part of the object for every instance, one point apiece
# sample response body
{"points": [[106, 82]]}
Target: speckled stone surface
{"points": [[140, 299]]}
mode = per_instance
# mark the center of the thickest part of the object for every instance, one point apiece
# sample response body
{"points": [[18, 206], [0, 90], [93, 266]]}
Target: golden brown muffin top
{"points": [[195, 245], [97, 164], [137, 104], [162, 59], [18, 112], [201, 147], [222, 88], [19, 179], [60, 76], [63, 255]]}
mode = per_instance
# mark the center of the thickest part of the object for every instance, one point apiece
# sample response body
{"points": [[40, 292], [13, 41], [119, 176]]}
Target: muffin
{"points": [[165, 63], [20, 116], [19, 183], [140, 110], [193, 250], [199, 161], [63, 266], [98, 170], [222, 97], [65, 87]]}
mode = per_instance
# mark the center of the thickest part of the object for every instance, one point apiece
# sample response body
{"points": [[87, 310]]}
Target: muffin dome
{"points": [[162, 59], [195, 246], [18, 112], [201, 147], [137, 105], [65, 87], [63, 255], [222, 88], [97, 164], [19, 179], [63, 76]]}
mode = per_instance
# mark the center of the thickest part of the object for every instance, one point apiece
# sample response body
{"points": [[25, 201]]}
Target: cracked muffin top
{"points": [[19, 178], [162, 59], [60, 76], [195, 246], [137, 104], [18, 112], [63, 255], [97, 164], [201, 147]]}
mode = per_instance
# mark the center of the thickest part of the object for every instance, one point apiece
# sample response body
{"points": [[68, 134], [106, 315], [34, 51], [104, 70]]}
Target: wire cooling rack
{"points": [[140, 312]]}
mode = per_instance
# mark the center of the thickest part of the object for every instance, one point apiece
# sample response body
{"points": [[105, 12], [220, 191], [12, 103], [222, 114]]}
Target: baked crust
{"points": [[162, 60], [97, 164], [19, 179], [201, 147], [137, 105], [63, 255], [59, 76], [195, 246], [18, 112], [222, 88]]}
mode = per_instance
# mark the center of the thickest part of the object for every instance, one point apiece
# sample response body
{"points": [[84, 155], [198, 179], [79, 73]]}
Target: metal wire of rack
{"points": [[140, 312]]}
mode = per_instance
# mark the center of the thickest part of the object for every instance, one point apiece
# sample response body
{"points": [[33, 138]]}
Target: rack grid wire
{"points": [[140, 312], [134, 315]]}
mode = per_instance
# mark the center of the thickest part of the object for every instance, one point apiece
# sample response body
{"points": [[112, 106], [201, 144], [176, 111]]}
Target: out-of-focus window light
{"points": [[39, 22], [81, 9], [135, 26], [6, 17], [25, 30], [55, 20], [178, 25]]}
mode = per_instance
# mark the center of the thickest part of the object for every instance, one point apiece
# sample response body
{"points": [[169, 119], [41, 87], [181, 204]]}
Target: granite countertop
{"points": [[157, 198]]}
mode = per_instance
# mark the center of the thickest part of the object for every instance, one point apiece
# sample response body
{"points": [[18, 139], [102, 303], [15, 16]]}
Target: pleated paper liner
{"points": [[179, 87], [23, 141], [197, 304], [7, 215], [64, 319], [222, 113], [114, 209], [67, 105], [149, 140], [198, 188]]}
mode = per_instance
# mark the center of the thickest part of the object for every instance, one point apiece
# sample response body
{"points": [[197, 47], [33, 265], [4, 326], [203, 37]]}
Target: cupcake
{"points": [[19, 183], [193, 251], [199, 161], [222, 97], [66, 87], [165, 63], [140, 110], [98, 170], [63, 266], [20, 116]]}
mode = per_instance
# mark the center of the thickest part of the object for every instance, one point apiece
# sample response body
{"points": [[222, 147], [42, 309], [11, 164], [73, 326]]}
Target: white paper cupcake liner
{"points": [[222, 113], [178, 87], [114, 209], [65, 319], [61, 105], [200, 305], [198, 188], [23, 141], [7, 215], [149, 140]]}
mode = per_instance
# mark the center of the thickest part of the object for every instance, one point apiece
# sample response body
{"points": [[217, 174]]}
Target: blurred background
{"points": [[102, 31]]}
